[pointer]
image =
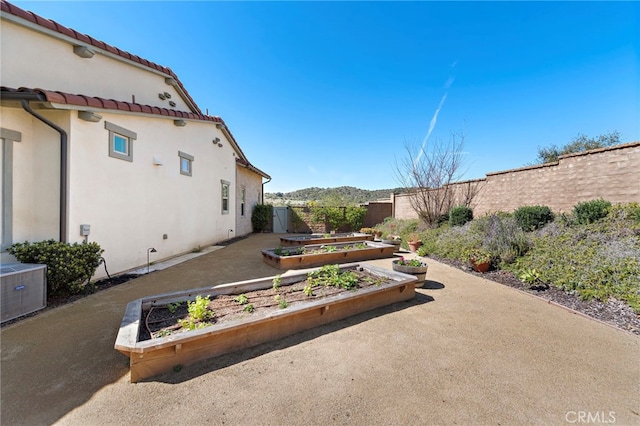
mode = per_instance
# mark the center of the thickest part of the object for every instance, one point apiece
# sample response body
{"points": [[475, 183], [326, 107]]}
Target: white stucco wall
{"points": [[36, 171], [251, 182], [26, 53], [131, 205]]}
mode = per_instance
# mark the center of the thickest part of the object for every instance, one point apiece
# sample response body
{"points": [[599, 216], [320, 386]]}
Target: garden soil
{"points": [[466, 350]]}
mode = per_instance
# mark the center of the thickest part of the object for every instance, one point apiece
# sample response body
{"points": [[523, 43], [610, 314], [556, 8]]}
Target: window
{"points": [[186, 163], [120, 141], [225, 196], [242, 197]]}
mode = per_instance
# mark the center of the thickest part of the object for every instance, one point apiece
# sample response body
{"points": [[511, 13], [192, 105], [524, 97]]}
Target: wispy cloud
{"points": [[434, 118]]}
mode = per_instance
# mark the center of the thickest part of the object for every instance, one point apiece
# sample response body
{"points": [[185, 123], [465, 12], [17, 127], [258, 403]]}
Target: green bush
{"points": [[502, 237], [591, 211], [458, 216], [598, 260], [442, 219], [531, 218], [354, 217], [260, 217], [69, 266]]}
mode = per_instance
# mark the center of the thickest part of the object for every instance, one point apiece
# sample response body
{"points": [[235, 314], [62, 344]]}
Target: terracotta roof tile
{"points": [[82, 37], [45, 23], [64, 30], [74, 99], [109, 104], [94, 102]]}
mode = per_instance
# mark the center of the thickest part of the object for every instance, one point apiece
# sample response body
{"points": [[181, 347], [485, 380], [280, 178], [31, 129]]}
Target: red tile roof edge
{"points": [[12, 9], [97, 102]]}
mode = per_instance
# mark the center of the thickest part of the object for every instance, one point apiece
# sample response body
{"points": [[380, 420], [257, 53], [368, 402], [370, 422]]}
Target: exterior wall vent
{"points": [[24, 289]]}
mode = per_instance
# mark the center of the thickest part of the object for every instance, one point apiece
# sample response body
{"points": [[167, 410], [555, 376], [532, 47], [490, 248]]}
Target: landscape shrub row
{"points": [[69, 266], [594, 251]]}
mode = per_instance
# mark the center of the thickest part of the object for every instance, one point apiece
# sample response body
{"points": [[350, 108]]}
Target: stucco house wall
{"points": [[251, 188], [132, 204]]}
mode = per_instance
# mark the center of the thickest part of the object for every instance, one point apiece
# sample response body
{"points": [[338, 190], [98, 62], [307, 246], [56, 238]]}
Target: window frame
{"points": [[189, 159], [243, 196], [129, 136], [224, 184]]}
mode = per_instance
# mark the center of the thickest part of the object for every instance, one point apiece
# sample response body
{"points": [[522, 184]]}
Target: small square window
{"points": [[120, 141], [120, 144], [186, 163]]}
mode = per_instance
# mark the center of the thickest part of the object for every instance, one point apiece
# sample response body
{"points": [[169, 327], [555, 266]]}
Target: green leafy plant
{"points": [[199, 312], [277, 281], [308, 290], [411, 262], [458, 216], [260, 217], [69, 266], [479, 256], [241, 299], [248, 308], [173, 307], [530, 218], [529, 277], [354, 217], [331, 275], [591, 211], [282, 303]]}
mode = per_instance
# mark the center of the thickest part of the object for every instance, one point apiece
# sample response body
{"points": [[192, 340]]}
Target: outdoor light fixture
{"points": [[149, 251], [89, 116], [83, 51]]}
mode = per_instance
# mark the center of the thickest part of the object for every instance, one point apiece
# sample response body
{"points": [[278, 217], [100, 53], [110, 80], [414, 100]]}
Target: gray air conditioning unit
{"points": [[24, 289]]}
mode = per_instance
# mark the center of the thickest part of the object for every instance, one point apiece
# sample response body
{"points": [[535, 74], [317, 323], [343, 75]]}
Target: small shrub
{"points": [[260, 217], [530, 218], [460, 215], [591, 211], [442, 219], [69, 266]]}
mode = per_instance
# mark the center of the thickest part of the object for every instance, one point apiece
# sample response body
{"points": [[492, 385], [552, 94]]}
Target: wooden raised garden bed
{"points": [[159, 333], [321, 254], [303, 240]]}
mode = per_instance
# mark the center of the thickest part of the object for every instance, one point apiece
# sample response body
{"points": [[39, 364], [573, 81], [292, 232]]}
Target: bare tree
{"points": [[426, 174]]}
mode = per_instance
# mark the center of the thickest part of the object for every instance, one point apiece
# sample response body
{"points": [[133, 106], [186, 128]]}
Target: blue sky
{"points": [[328, 94]]}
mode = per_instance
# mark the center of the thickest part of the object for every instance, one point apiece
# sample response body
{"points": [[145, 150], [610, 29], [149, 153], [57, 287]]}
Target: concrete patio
{"points": [[464, 351]]}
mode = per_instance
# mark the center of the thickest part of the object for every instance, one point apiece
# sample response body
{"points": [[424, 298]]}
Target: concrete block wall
{"points": [[610, 173], [377, 211]]}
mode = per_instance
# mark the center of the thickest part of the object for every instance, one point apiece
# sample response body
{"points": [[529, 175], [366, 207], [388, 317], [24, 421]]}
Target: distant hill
{"points": [[347, 194]]}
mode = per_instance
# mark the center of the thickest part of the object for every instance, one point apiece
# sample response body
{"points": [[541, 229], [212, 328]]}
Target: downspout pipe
{"points": [[64, 147], [263, 184]]}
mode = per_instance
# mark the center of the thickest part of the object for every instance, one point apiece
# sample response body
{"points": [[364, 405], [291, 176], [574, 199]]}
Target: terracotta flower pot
{"points": [[480, 267], [414, 245]]}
